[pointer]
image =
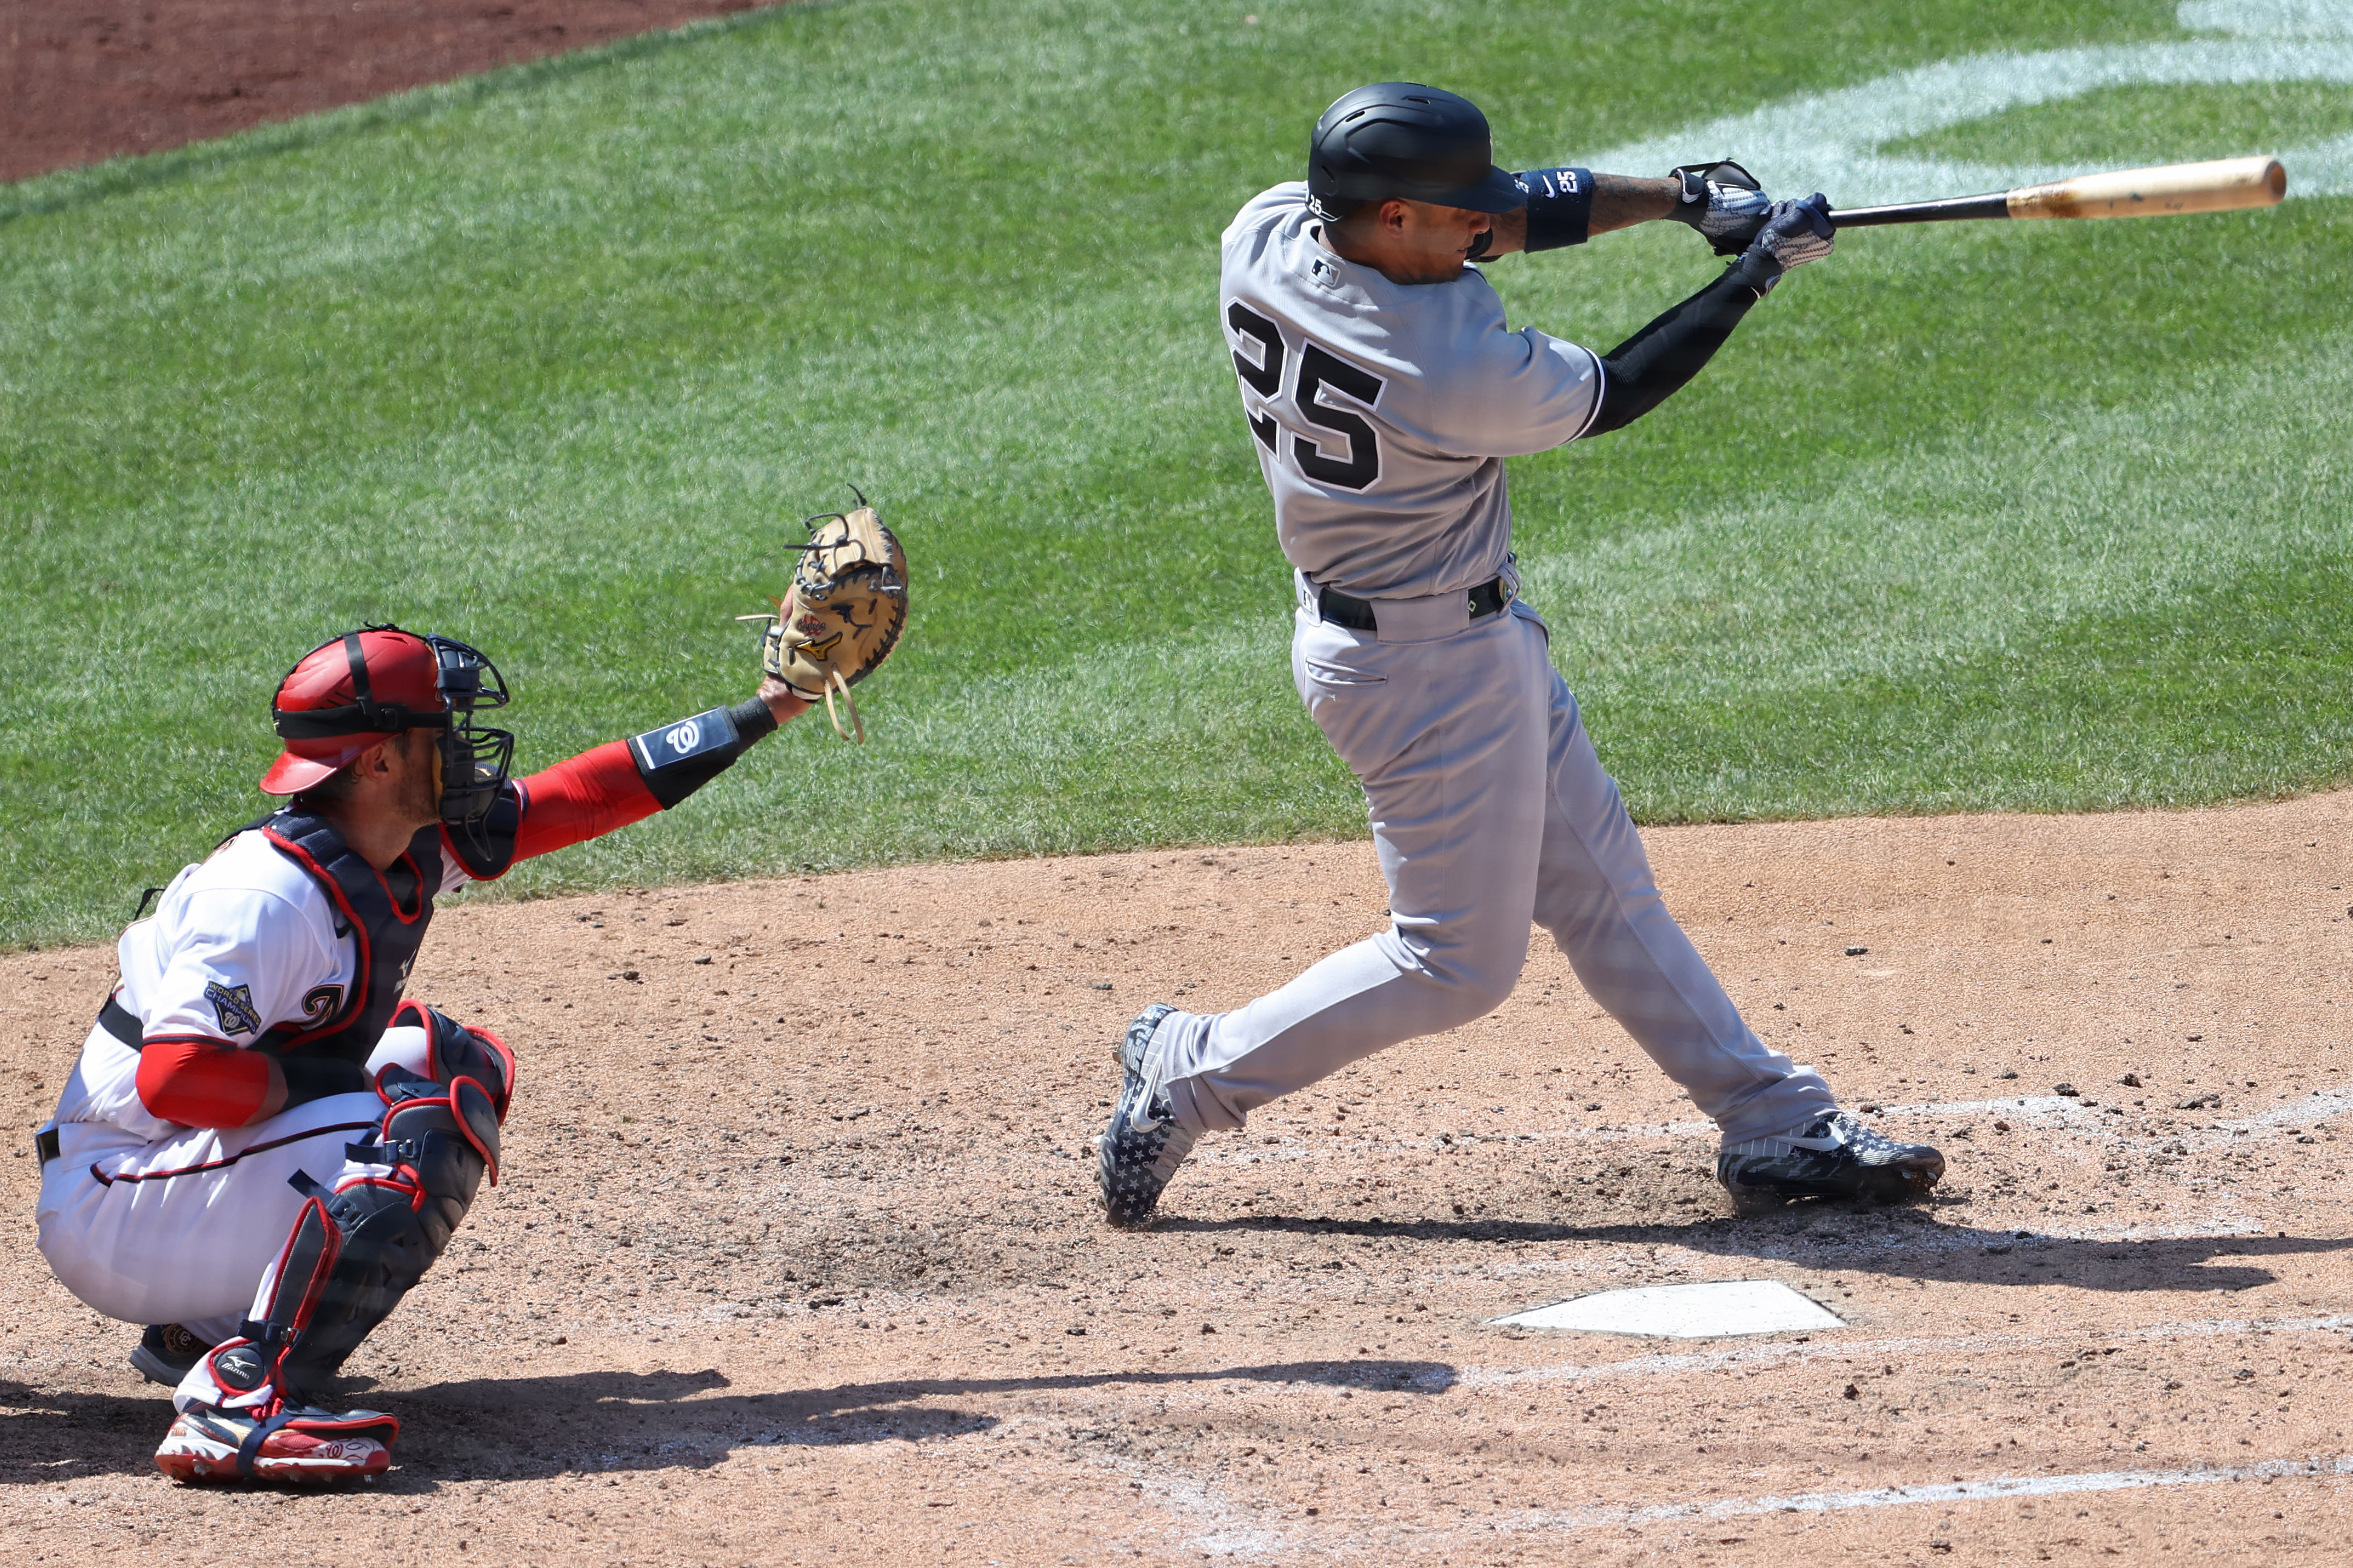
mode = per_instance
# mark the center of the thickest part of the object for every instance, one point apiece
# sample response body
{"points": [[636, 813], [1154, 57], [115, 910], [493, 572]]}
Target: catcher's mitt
{"points": [[843, 613]]}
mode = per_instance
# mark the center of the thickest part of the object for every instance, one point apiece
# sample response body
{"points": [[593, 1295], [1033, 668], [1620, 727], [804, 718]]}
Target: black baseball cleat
{"points": [[1833, 1156], [1144, 1144], [165, 1352]]}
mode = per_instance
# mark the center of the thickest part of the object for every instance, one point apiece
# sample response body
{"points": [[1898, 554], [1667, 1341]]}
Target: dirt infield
{"points": [[795, 1261], [82, 81]]}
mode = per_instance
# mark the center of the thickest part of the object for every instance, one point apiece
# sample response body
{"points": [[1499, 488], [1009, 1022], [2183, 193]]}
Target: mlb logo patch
{"points": [[234, 1006]]}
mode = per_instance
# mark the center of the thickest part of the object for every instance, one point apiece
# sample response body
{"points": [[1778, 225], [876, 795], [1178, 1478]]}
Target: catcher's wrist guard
{"points": [[679, 759], [843, 614]]}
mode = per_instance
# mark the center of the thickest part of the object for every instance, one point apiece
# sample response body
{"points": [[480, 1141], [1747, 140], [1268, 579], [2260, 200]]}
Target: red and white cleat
{"points": [[295, 1443]]}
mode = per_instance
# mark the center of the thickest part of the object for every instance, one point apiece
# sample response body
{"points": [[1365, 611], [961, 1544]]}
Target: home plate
{"points": [[1685, 1311]]}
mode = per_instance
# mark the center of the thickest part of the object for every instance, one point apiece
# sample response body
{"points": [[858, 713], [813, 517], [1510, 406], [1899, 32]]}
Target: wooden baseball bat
{"points": [[2219, 187]]}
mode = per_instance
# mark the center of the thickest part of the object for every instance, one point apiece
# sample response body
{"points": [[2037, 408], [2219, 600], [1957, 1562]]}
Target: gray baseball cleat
{"points": [[165, 1352], [1833, 1156], [1144, 1144]]}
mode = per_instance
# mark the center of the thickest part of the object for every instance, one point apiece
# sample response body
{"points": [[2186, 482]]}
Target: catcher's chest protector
{"points": [[388, 932]]}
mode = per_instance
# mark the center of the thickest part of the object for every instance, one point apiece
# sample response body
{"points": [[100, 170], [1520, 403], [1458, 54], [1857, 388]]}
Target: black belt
{"points": [[45, 1143], [1357, 615], [121, 1021]]}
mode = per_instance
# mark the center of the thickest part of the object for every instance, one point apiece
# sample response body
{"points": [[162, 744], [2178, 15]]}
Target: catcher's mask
{"points": [[356, 690]]}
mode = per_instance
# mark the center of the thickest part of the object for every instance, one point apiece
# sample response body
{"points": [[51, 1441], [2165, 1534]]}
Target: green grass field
{"points": [[2044, 517]]}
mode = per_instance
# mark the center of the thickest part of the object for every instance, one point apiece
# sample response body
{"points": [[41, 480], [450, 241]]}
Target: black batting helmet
{"points": [[1402, 138]]}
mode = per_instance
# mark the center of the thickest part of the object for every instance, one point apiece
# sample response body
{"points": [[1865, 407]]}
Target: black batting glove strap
{"points": [[1560, 207], [1657, 361], [679, 759]]}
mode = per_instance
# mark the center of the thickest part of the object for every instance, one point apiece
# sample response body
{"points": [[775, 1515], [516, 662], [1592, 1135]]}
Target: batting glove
{"points": [[1797, 232], [1723, 202]]}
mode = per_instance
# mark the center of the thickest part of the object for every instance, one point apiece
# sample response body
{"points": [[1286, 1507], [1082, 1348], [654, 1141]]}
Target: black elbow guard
{"points": [[679, 759], [1560, 207]]}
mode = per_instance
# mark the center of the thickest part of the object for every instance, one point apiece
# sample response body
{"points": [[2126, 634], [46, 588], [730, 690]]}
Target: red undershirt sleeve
{"points": [[592, 794], [198, 1082]]}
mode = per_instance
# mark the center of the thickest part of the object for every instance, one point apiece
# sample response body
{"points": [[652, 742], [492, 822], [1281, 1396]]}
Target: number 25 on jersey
{"points": [[1320, 372]]}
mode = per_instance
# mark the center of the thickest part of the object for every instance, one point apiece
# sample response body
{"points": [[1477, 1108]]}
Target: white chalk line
{"points": [[1831, 142], [1783, 1351], [1990, 1488]]}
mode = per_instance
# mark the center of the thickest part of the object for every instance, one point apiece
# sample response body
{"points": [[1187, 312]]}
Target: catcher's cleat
{"points": [[1144, 1144], [288, 1443], [1833, 1156], [165, 1352]]}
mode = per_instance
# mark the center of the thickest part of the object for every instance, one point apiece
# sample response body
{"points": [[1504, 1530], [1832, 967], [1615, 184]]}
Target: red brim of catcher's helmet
{"points": [[292, 773]]}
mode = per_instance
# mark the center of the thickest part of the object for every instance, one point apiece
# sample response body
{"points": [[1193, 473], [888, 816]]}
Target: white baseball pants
{"points": [[1489, 810], [188, 1229]]}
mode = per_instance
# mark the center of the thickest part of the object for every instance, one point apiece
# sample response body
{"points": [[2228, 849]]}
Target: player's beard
{"points": [[420, 792]]}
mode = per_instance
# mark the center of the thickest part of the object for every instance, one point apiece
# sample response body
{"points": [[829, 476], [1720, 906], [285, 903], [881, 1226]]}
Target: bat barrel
{"points": [[2222, 186]]}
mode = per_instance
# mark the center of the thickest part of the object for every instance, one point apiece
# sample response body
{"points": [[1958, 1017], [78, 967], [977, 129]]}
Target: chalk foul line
{"points": [[1997, 1486]]}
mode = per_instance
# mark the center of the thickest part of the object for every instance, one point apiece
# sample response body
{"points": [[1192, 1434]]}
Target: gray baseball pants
{"points": [[1489, 810]]}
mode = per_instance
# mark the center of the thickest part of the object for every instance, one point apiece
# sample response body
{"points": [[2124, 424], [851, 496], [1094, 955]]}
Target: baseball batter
{"points": [[263, 1146], [1382, 391]]}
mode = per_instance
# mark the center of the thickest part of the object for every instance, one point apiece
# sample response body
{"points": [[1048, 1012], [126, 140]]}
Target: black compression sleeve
{"points": [[1649, 368], [679, 759]]}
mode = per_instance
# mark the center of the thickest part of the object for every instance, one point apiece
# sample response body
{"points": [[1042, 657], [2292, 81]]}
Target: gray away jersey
{"points": [[1384, 411]]}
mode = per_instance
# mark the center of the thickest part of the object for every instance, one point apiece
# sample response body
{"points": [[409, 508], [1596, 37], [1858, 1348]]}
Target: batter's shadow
{"points": [[1902, 1243], [595, 1423]]}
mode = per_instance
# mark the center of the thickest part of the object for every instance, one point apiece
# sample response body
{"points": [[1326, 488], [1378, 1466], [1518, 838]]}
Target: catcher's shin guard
{"points": [[353, 1254], [438, 1139], [435, 1144]]}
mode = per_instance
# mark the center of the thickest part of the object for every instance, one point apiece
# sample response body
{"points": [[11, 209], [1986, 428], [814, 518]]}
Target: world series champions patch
{"points": [[234, 1006]]}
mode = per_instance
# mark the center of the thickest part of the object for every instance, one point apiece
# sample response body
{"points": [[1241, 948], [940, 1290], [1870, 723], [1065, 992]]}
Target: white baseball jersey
{"points": [[238, 944], [1384, 411]]}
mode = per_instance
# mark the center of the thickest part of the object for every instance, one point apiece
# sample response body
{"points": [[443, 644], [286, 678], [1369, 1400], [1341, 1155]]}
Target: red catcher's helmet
{"points": [[348, 694]]}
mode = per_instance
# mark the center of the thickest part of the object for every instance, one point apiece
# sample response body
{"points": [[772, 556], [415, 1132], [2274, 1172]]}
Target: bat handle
{"points": [[1947, 211]]}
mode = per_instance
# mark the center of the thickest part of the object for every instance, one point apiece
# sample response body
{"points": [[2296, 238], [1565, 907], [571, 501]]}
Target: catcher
{"points": [[264, 1146]]}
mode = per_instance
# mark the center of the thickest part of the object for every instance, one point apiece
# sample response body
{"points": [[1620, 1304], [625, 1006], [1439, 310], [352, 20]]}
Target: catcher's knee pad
{"points": [[455, 1051]]}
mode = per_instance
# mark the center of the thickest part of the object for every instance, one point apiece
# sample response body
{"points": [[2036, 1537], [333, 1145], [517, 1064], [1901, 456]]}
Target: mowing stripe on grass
{"points": [[1835, 142]]}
